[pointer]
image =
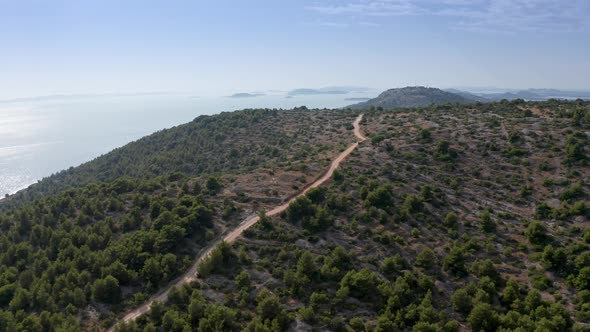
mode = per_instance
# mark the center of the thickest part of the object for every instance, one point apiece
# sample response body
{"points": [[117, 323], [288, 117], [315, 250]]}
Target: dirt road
{"points": [[191, 274]]}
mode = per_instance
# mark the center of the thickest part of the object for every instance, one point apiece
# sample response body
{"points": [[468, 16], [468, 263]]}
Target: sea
{"points": [[41, 136]]}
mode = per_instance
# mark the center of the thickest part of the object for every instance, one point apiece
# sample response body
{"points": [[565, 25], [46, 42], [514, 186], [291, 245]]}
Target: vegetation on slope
{"points": [[455, 217], [449, 217], [228, 142], [109, 244], [416, 96], [71, 261]]}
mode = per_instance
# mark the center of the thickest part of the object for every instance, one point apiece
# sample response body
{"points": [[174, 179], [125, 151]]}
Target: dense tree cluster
{"points": [[67, 253]]}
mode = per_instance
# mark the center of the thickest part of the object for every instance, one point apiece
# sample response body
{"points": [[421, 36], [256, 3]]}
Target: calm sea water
{"points": [[39, 138]]}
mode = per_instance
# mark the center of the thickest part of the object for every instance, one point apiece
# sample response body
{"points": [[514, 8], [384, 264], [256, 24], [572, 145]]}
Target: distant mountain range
{"points": [[528, 94], [419, 96]]}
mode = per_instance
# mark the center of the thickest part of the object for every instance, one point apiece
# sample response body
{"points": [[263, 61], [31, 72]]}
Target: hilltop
{"points": [[417, 96]]}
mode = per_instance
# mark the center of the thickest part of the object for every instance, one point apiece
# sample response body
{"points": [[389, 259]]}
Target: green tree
{"points": [[451, 220], [443, 147], [455, 261], [300, 208], [537, 233], [217, 318], [424, 135], [394, 264], [196, 307], [213, 185], [483, 318], [152, 271], [461, 301], [20, 300], [306, 267], [582, 281], [268, 306], [486, 268], [486, 223], [219, 258], [173, 321], [426, 193], [363, 284], [543, 211], [573, 192], [6, 294], [575, 151], [381, 198], [168, 237], [243, 280], [426, 259], [107, 290]]}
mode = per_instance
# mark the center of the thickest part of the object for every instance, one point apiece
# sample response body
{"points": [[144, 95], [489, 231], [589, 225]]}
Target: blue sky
{"points": [[220, 47]]}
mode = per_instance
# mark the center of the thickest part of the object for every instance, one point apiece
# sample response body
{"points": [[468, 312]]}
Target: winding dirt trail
{"points": [[191, 274]]}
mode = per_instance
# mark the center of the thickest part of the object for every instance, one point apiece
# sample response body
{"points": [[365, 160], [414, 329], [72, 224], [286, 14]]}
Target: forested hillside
{"points": [[73, 260], [228, 142], [449, 218]]}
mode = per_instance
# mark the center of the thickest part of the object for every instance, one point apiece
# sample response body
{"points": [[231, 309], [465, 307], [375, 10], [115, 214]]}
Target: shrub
{"points": [[451, 220], [424, 135], [461, 301], [486, 223], [220, 257], [213, 184], [573, 192], [455, 261], [381, 198], [363, 284], [394, 264], [579, 208], [483, 318], [300, 208], [425, 259], [582, 281], [543, 211], [107, 290], [377, 139], [537, 233], [486, 268]]}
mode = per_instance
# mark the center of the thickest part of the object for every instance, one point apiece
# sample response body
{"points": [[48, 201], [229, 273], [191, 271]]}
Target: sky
{"points": [[221, 47]]}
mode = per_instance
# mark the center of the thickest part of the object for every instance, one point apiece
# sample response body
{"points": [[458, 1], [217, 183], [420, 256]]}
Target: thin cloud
{"points": [[370, 8], [476, 15], [327, 24], [369, 24]]}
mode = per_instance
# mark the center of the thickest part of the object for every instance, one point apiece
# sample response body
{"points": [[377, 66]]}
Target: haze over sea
{"points": [[39, 137]]}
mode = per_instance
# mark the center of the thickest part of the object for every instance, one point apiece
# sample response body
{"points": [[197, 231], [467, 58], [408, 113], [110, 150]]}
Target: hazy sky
{"points": [[219, 46]]}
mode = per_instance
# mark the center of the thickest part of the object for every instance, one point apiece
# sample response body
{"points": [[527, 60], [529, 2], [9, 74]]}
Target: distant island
{"points": [[245, 95], [528, 94], [462, 210], [316, 92], [333, 90], [416, 96], [419, 96]]}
